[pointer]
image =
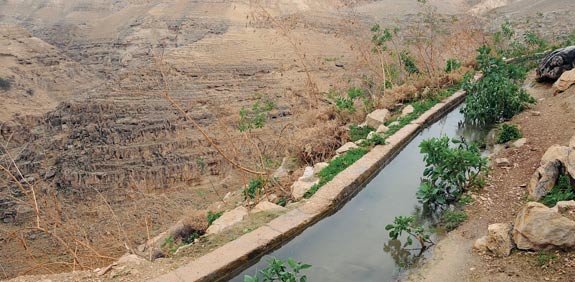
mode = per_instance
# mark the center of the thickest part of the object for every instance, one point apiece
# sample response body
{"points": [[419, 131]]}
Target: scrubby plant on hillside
{"points": [[562, 191], [508, 132], [496, 97]]}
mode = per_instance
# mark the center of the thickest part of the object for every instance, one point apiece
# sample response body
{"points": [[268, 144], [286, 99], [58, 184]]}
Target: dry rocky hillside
{"points": [[84, 118]]}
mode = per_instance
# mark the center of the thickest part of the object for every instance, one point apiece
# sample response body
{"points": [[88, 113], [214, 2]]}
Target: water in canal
{"points": [[352, 244]]}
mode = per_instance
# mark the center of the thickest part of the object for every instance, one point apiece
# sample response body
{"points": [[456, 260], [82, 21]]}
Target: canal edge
{"points": [[223, 263]]}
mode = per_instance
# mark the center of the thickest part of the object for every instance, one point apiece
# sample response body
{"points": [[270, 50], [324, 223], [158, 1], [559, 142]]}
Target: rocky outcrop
{"points": [[565, 81], [556, 63], [556, 160], [538, 227]]}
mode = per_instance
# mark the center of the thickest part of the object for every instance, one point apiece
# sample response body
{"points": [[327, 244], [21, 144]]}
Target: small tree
{"points": [[408, 225]]}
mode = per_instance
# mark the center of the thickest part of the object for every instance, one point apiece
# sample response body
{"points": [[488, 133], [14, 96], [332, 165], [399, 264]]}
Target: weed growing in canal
{"points": [[279, 270], [508, 132], [408, 225], [450, 170], [336, 166], [452, 219]]}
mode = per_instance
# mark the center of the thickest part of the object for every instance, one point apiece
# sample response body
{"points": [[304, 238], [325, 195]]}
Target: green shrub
{"points": [[451, 65], [496, 97], [256, 116], [544, 258], [213, 216], [408, 225], [255, 187], [508, 132], [562, 191], [348, 103], [408, 62], [278, 270], [452, 219], [5, 84], [334, 167], [358, 132], [449, 170]]}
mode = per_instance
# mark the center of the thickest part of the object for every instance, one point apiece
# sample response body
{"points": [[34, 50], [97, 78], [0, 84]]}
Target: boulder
{"points": [[481, 244], [519, 142], [266, 206], [346, 147], [499, 240], [377, 118], [566, 208], [502, 162], [556, 63], [565, 81], [407, 110], [308, 175], [299, 188], [538, 227], [383, 129], [572, 142], [556, 152], [543, 180], [227, 220]]}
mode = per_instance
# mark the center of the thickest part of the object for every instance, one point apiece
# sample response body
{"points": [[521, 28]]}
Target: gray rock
{"points": [[377, 118], [556, 152], [318, 167], [543, 180], [519, 143], [383, 129], [346, 147], [502, 162], [407, 110]]}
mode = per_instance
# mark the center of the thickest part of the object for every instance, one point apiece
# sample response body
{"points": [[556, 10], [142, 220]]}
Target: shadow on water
{"points": [[352, 244]]}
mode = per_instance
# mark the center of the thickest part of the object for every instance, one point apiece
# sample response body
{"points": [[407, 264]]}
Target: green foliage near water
{"points": [[359, 132], [562, 191], [334, 167], [280, 271], [508, 132], [451, 167], [496, 97], [413, 230], [452, 219]]}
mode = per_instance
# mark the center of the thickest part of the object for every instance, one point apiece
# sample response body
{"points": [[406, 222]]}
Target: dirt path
{"points": [[551, 121]]}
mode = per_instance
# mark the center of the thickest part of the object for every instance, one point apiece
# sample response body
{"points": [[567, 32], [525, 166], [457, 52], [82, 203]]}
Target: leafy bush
{"points": [[496, 97], [408, 225], [452, 219], [449, 170], [562, 191], [255, 187], [334, 167], [5, 84], [348, 103], [256, 116], [358, 132], [277, 270], [213, 216], [508, 132], [408, 62]]}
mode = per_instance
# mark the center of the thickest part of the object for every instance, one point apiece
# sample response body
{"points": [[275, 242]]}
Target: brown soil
{"points": [[500, 201]]}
